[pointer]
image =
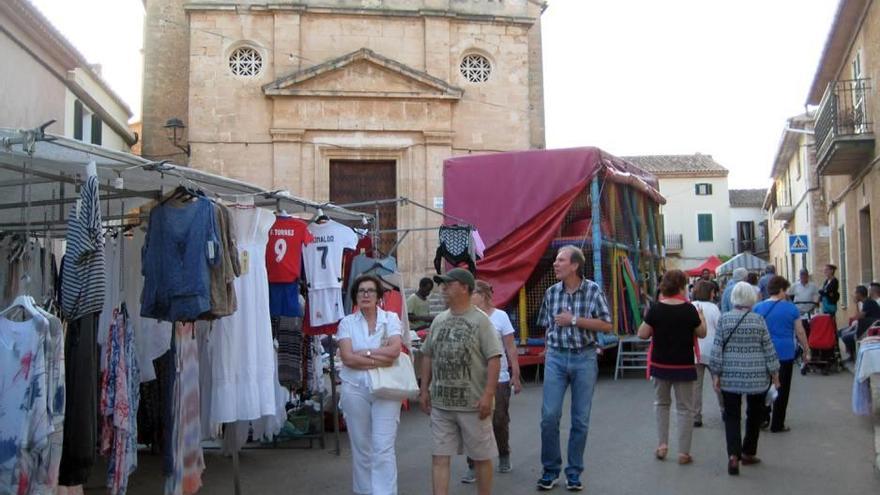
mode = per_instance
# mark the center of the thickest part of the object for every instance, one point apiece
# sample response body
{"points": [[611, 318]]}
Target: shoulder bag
{"points": [[395, 382]]}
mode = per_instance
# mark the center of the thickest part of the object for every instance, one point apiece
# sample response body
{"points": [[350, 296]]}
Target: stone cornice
{"points": [[443, 138], [298, 7], [287, 135]]}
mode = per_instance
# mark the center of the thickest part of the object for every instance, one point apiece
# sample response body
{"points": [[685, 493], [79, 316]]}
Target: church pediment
{"points": [[363, 74]]}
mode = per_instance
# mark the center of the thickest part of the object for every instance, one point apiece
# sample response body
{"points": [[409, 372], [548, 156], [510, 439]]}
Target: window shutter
{"points": [[77, 120], [704, 227], [96, 129], [709, 191]]}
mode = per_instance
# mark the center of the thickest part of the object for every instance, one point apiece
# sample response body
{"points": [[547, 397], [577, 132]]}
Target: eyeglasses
{"points": [[367, 292]]}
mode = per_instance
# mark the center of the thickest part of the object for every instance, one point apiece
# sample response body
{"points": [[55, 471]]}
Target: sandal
{"points": [[685, 459], [661, 452]]}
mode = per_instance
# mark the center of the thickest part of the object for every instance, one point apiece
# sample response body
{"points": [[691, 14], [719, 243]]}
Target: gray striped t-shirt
{"points": [[83, 283]]}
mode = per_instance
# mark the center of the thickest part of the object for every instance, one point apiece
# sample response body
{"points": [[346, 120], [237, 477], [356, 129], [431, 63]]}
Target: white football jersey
{"points": [[323, 256]]}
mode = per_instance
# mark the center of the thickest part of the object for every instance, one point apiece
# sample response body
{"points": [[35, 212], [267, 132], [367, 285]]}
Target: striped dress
{"points": [[83, 283], [748, 360]]}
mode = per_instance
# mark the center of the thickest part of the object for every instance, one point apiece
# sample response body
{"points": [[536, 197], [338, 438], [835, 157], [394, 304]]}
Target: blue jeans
{"points": [[561, 369]]}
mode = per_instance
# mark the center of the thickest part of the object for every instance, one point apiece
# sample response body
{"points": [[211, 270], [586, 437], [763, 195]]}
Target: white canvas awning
{"points": [[37, 189], [743, 260]]}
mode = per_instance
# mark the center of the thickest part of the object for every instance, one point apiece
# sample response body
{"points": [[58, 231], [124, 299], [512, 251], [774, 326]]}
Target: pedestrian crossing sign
{"points": [[798, 243]]}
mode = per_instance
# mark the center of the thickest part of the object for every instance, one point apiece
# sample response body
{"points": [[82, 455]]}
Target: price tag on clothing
{"points": [[245, 259]]}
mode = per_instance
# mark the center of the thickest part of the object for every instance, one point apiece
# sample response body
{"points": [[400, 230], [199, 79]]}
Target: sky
{"points": [[632, 77]]}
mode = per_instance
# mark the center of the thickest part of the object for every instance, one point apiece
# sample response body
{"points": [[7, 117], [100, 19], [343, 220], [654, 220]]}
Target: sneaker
{"points": [[469, 477], [547, 482], [504, 464], [573, 483]]}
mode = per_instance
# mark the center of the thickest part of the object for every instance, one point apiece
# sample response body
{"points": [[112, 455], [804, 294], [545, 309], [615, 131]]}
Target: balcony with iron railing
{"points": [[844, 131], [674, 243], [756, 246]]}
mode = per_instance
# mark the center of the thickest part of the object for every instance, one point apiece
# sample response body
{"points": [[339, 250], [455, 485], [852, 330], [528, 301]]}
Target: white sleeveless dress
{"points": [[244, 374]]}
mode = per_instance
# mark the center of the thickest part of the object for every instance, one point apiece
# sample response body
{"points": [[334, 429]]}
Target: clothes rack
{"points": [[48, 168]]}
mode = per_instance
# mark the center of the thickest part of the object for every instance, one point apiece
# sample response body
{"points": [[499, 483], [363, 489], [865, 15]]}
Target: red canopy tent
{"points": [[711, 264], [518, 201]]}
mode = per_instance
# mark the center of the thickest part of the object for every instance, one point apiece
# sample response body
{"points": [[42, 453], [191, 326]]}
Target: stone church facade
{"points": [[345, 100]]}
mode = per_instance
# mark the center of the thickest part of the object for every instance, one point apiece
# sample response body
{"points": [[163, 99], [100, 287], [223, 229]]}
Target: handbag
{"points": [[395, 382]]}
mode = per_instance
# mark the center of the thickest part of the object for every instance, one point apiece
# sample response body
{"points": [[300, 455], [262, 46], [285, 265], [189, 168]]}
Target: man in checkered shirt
{"points": [[573, 309]]}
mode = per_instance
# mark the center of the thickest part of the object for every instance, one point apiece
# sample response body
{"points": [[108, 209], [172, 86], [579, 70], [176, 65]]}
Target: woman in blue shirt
{"points": [[784, 324]]}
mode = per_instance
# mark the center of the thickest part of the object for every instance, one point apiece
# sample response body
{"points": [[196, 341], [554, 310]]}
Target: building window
{"points": [[97, 129], [77, 120], [703, 189], [87, 127], [246, 62], [704, 227], [475, 68]]}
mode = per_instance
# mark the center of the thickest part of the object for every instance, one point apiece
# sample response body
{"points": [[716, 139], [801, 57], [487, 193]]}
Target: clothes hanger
{"points": [[321, 218]]}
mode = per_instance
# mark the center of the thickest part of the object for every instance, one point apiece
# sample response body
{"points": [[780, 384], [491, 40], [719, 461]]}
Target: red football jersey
{"points": [[284, 250]]}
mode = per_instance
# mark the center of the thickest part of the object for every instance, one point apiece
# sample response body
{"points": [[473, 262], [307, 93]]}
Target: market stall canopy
{"points": [[711, 264], [744, 260], [38, 189], [500, 192], [522, 198]]}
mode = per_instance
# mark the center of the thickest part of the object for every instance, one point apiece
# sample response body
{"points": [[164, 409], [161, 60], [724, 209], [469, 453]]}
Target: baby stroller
{"points": [[824, 351]]}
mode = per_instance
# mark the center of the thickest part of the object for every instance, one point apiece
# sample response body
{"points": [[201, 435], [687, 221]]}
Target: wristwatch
{"points": [[574, 321]]}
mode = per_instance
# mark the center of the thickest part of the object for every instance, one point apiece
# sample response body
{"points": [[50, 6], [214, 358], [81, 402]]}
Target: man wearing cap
{"points": [[461, 358], [573, 309], [804, 294]]}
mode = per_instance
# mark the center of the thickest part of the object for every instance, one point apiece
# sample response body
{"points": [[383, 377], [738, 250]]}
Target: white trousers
{"points": [[372, 430]]}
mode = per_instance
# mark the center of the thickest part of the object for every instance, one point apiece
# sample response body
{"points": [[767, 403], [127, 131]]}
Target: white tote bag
{"points": [[396, 382]]}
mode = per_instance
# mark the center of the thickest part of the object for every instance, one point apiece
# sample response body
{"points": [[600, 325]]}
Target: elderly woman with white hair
{"points": [[743, 362]]}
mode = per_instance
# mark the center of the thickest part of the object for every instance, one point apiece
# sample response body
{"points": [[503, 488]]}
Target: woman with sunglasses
{"points": [[368, 339]]}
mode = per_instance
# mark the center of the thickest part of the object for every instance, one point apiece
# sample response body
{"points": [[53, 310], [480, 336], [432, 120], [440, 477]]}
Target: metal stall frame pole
{"points": [[332, 351], [597, 231]]}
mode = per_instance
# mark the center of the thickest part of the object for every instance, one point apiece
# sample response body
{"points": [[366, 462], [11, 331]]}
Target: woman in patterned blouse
{"points": [[743, 363]]}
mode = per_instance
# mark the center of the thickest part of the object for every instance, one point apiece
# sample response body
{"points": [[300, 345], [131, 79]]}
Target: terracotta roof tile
{"points": [[696, 165], [747, 197]]}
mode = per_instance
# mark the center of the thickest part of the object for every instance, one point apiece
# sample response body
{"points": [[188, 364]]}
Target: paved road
{"points": [[829, 450]]}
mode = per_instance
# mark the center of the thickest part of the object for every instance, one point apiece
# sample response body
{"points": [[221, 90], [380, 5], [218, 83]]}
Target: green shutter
{"points": [[704, 227]]}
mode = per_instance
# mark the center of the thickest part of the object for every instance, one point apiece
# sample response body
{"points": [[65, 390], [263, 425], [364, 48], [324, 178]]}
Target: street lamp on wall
{"points": [[174, 129]]}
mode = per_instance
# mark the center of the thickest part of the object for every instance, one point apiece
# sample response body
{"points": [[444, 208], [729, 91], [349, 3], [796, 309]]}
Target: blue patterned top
{"points": [[748, 360]]}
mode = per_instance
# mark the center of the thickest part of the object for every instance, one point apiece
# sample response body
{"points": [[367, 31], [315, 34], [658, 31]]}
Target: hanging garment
{"points": [[284, 249], [364, 248], [223, 273], [289, 335], [81, 410], [181, 245], [244, 375], [25, 426], [112, 299], [188, 461], [284, 300], [120, 396], [83, 284], [456, 246], [323, 256], [479, 245]]}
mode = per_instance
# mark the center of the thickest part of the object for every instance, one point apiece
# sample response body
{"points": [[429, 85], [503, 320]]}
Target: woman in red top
{"points": [[674, 325]]}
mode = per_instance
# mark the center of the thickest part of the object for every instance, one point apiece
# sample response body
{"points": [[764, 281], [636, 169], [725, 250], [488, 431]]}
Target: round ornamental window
{"points": [[475, 68], [246, 62]]}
